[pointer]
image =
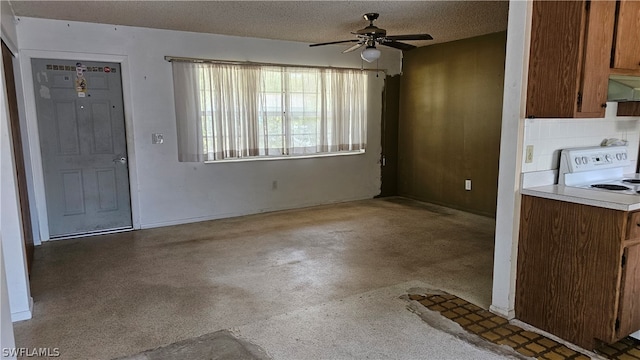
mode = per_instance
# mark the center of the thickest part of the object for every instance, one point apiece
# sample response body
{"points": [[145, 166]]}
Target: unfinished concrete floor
{"points": [[115, 295]]}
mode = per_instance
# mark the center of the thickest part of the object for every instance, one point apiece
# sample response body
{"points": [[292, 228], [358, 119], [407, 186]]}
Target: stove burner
{"points": [[632, 181], [610, 187]]}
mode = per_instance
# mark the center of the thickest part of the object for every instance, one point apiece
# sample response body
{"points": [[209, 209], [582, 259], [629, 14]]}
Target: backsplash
{"points": [[549, 136]]}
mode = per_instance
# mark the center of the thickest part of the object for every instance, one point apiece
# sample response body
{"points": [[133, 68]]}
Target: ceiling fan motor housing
{"points": [[371, 30], [371, 34]]}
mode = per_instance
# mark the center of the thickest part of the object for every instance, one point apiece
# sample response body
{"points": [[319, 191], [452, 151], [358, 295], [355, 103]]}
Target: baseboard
{"points": [[190, 220], [236, 214], [505, 313], [23, 315]]}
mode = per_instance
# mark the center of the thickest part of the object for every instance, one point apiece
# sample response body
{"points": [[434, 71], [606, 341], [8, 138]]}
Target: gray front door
{"points": [[84, 151]]}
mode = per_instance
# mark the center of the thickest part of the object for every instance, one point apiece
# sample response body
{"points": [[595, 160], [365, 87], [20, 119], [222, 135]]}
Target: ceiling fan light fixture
{"points": [[370, 54]]}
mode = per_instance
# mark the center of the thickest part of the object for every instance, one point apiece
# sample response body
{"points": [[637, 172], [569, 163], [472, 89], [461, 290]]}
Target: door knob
{"points": [[121, 160]]}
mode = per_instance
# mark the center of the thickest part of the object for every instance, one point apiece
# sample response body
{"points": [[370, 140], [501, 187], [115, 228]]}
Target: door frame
{"points": [[34, 136], [16, 135]]}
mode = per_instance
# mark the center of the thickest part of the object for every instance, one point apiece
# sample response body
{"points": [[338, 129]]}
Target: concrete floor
{"points": [[114, 295]]}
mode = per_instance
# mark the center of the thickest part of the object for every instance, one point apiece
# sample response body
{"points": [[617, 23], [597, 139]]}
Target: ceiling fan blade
{"points": [[398, 45], [335, 42], [410, 37], [354, 47]]}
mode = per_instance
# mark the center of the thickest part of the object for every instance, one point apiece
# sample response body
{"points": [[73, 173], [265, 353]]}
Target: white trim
{"points": [[288, 157], [34, 138], [24, 314]]}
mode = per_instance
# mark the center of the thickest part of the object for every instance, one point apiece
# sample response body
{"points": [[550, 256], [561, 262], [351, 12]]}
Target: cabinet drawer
{"points": [[633, 225]]}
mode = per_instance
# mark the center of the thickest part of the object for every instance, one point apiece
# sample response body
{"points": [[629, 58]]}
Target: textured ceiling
{"points": [[305, 21]]}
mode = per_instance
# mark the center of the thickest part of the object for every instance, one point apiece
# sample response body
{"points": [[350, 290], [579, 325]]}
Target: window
{"points": [[227, 111]]}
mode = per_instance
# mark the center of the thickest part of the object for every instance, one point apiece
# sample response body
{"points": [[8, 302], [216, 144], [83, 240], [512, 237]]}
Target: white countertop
{"points": [[599, 198]]}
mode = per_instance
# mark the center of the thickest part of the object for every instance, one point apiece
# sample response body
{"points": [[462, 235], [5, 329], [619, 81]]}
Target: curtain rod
{"points": [[228, 62]]}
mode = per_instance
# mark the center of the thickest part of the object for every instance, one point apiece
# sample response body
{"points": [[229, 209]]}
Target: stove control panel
{"points": [[594, 158], [600, 159]]}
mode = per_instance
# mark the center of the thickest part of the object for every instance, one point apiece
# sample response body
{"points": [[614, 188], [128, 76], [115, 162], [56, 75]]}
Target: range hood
{"points": [[623, 88]]}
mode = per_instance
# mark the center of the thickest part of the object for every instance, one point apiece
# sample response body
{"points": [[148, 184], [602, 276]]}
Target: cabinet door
{"points": [[627, 40], [568, 274], [556, 50], [594, 77], [629, 310]]}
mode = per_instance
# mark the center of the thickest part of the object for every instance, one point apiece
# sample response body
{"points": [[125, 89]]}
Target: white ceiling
{"points": [[305, 21]]}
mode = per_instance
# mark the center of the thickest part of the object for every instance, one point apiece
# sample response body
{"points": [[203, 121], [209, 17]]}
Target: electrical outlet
{"points": [[467, 185], [529, 154]]}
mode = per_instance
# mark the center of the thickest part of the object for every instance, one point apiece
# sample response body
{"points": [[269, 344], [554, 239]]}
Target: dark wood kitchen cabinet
{"points": [[578, 271], [629, 108], [570, 58], [626, 45]]}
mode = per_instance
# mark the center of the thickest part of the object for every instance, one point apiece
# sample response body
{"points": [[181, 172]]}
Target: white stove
{"points": [[599, 169]]}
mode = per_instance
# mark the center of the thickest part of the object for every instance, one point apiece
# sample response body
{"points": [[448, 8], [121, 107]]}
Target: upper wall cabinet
{"points": [[626, 46], [569, 59]]}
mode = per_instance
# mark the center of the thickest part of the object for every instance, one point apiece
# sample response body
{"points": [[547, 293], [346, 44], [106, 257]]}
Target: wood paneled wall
{"points": [[449, 122]]}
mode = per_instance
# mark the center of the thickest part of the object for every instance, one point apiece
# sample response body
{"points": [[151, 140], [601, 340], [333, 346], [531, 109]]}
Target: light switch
{"points": [[157, 138]]}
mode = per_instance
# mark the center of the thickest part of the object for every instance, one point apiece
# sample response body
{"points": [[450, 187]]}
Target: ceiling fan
{"points": [[372, 35]]}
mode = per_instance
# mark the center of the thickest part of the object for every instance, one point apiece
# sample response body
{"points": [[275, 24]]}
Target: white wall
{"points": [[165, 191], [549, 136], [8, 26], [7, 339]]}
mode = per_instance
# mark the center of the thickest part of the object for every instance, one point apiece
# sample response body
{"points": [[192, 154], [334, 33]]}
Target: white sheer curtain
{"points": [[344, 120], [240, 111], [187, 98]]}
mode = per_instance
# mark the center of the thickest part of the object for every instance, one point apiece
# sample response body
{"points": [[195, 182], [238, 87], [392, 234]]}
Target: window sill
{"points": [[287, 157]]}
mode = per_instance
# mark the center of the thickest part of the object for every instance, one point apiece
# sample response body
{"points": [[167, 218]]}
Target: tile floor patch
{"points": [[497, 330]]}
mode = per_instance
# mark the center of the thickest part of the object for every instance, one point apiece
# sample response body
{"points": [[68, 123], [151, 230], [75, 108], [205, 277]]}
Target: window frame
{"points": [[288, 119]]}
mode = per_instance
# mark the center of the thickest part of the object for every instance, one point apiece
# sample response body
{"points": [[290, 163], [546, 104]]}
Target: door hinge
{"points": [[587, 5], [624, 260], [579, 98], [617, 324]]}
